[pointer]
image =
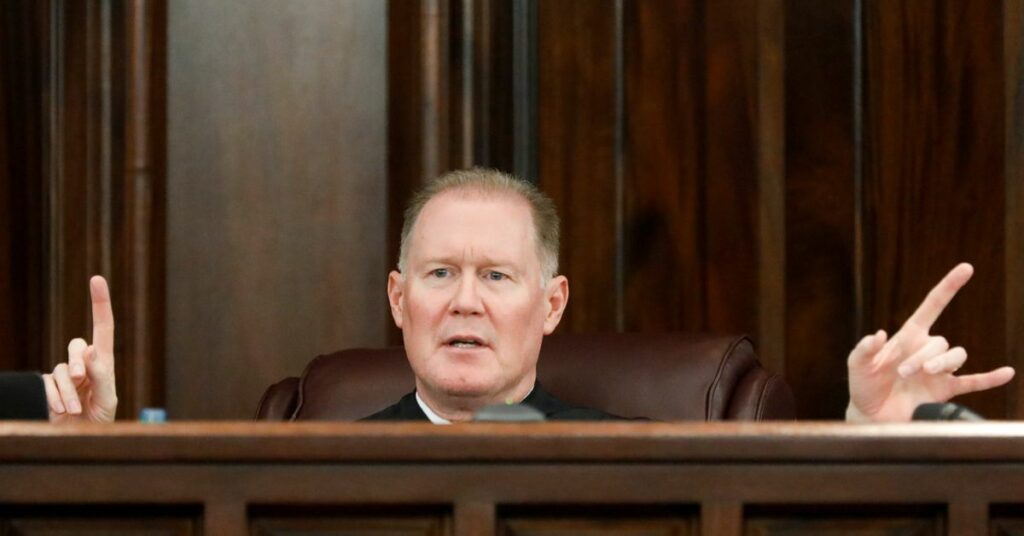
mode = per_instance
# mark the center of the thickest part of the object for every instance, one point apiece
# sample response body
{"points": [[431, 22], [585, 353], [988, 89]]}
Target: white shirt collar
{"points": [[434, 418]]}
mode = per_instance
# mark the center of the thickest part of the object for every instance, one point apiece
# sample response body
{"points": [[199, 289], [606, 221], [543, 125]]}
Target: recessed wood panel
{"points": [[23, 52], [100, 527], [831, 519], [98, 520], [934, 190], [276, 194], [598, 527], [837, 527], [598, 520], [1003, 527], [349, 526], [577, 131]]}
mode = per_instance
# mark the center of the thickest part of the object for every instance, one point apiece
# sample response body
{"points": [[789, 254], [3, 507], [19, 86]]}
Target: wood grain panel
{"points": [[664, 211], [577, 151], [732, 195], [821, 306], [276, 197], [934, 170]]}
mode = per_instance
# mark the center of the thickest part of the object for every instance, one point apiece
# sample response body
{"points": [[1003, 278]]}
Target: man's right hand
{"points": [[83, 388]]}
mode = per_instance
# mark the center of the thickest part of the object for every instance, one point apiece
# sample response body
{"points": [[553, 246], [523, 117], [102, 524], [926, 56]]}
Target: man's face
{"points": [[470, 302]]}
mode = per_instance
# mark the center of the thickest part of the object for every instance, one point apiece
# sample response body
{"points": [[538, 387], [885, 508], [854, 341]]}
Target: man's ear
{"points": [[395, 289], [556, 296]]}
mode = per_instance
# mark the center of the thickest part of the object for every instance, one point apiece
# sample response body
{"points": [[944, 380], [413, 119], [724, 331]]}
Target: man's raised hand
{"points": [[890, 377], [83, 388]]}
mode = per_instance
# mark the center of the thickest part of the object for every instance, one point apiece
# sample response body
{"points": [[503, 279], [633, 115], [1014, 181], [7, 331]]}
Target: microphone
{"points": [[944, 411], [509, 413]]}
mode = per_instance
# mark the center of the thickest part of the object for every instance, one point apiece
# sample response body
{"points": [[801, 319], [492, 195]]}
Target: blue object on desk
{"points": [[153, 415]]}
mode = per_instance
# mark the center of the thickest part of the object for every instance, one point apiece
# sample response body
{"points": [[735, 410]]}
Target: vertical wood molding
{"points": [[968, 516], [226, 517], [771, 150], [83, 116], [54, 311], [141, 241], [418, 103], [526, 38], [619, 163], [1013, 62], [721, 519], [474, 519], [436, 74]]}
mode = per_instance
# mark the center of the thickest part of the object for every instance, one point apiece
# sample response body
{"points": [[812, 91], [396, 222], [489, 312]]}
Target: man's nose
{"points": [[467, 297]]}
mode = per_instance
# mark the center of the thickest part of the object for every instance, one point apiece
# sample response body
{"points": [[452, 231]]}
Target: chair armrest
{"points": [[279, 401], [761, 396]]}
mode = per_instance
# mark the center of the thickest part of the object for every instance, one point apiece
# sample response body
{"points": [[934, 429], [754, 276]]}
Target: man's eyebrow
{"points": [[482, 261]]}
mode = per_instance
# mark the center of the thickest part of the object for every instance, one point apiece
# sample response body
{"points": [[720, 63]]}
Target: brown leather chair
{"points": [[665, 377]]}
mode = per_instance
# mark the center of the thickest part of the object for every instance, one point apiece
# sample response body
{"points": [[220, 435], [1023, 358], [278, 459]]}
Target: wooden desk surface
{"points": [[538, 479], [563, 442]]}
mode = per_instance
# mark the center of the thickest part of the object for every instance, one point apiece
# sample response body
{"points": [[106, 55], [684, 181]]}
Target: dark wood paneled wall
{"points": [[276, 194], [799, 170]]}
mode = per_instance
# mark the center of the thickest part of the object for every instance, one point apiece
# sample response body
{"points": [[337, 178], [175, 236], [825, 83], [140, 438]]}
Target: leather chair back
{"points": [[663, 376]]}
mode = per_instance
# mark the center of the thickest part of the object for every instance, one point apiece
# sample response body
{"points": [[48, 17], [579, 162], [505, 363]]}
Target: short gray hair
{"points": [[492, 181]]}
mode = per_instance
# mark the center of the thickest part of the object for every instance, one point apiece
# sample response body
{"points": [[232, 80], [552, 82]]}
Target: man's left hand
{"points": [[890, 377]]}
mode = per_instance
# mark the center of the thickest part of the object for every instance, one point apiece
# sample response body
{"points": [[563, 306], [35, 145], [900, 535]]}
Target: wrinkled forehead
{"points": [[495, 226]]}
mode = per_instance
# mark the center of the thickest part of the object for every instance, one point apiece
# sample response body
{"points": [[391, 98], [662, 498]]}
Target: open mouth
{"points": [[460, 341]]}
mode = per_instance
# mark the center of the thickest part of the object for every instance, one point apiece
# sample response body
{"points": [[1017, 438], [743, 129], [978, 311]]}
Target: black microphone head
{"points": [[944, 411]]}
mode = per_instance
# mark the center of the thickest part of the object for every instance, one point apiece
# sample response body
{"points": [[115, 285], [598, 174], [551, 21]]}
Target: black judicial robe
{"points": [[406, 409]]}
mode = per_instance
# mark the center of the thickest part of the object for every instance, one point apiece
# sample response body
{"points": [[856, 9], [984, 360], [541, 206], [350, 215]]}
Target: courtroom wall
{"points": [[802, 171]]}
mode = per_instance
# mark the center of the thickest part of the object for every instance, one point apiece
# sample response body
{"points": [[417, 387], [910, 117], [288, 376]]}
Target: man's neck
{"points": [[462, 409]]}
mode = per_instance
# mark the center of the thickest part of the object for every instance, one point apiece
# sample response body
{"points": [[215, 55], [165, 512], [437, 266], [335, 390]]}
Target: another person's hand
{"points": [[890, 378], [83, 388]]}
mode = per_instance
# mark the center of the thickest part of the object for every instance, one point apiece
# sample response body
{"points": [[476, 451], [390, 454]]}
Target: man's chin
{"points": [[468, 390]]}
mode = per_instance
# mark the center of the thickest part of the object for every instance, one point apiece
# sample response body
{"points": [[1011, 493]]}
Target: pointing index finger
{"points": [[940, 296], [102, 318]]}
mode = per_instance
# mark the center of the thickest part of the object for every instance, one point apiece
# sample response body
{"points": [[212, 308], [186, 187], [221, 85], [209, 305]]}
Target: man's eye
{"points": [[440, 272], [496, 276]]}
